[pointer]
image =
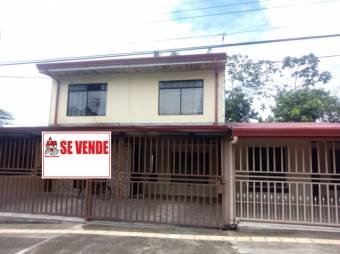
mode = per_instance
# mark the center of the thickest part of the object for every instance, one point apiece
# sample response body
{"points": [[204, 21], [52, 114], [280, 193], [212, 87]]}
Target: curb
{"points": [[275, 226], [37, 218]]}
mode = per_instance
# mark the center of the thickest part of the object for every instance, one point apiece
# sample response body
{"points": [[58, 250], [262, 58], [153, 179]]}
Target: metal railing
{"points": [[31, 194], [18, 155], [163, 179]]}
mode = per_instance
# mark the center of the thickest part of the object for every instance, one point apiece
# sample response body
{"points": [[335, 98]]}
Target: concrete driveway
{"points": [[92, 238]]}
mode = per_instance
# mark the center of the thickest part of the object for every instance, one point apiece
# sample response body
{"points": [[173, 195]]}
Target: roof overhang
{"points": [[284, 130], [241, 130], [133, 65], [145, 129]]}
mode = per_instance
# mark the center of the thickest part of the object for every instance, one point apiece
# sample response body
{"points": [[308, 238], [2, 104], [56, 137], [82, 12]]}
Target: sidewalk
{"points": [[98, 237]]}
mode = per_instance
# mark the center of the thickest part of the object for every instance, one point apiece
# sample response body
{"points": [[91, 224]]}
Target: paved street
{"points": [[38, 238]]}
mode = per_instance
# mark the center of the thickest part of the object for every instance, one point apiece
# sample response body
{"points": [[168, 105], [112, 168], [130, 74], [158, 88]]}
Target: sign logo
{"points": [[76, 155], [51, 148]]}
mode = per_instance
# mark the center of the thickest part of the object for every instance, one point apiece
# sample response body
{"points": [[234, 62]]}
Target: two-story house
{"points": [[198, 167], [174, 160], [167, 118], [182, 90]]}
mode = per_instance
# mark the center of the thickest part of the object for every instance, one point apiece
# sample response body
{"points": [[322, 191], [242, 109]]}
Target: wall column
{"points": [[229, 184]]}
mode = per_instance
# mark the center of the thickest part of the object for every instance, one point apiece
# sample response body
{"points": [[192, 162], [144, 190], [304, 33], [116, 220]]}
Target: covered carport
{"points": [[287, 173], [160, 174]]}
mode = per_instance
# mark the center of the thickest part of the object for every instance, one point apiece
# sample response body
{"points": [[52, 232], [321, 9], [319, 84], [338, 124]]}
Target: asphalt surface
{"points": [[41, 238]]}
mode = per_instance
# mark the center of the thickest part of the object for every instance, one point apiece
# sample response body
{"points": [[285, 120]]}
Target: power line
{"points": [[329, 56], [23, 77], [209, 7], [319, 57], [221, 34], [182, 3], [139, 53], [38, 77], [240, 11]]}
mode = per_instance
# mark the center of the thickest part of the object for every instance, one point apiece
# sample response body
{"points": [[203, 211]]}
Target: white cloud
{"points": [[47, 29], [311, 19]]}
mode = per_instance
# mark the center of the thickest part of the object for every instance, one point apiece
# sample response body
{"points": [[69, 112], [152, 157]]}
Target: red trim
{"points": [[282, 130], [279, 130], [143, 129], [134, 61]]}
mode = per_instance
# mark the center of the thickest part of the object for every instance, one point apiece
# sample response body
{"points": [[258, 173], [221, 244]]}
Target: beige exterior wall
{"points": [[133, 99]]}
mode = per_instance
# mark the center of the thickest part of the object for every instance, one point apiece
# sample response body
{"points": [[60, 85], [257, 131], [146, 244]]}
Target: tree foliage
{"points": [[296, 84], [249, 75], [238, 107], [5, 118], [304, 72], [247, 79], [299, 99], [306, 105]]}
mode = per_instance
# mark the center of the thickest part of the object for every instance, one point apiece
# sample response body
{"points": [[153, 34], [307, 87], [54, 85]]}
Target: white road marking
{"points": [[26, 250], [166, 236]]}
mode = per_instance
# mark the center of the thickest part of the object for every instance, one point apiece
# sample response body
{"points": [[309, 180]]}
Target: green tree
{"points": [[306, 105], [293, 85], [249, 75], [302, 72], [5, 118], [298, 98], [248, 80], [238, 107]]}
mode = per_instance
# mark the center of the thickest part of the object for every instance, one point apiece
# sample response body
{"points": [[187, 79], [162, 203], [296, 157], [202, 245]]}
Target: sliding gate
{"points": [[288, 181], [162, 179], [156, 179]]}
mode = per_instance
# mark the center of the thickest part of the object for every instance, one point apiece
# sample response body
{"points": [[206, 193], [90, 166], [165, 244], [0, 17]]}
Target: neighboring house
{"points": [[174, 160]]}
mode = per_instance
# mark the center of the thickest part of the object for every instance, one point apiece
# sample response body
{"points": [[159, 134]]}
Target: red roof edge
{"points": [[133, 61], [283, 130], [222, 129], [248, 130]]}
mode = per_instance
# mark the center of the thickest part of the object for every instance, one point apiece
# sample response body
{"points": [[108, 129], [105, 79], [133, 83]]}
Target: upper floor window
{"points": [[86, 100], [181, 97]]}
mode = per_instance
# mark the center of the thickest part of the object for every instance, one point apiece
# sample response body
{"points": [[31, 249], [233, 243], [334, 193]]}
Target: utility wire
{"points": [[220, 34], [240, 11], [38, 77], [181, 3], [23, 77], [329, 56], [209, 7], [319, 57], [139, 53]]}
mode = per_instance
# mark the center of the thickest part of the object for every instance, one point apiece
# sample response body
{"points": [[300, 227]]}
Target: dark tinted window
{"points": [[181, 97], [86, 100]]}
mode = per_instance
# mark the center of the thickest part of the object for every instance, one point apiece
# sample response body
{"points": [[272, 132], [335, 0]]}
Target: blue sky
{"points": [[61, 28], [228, 23]]}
